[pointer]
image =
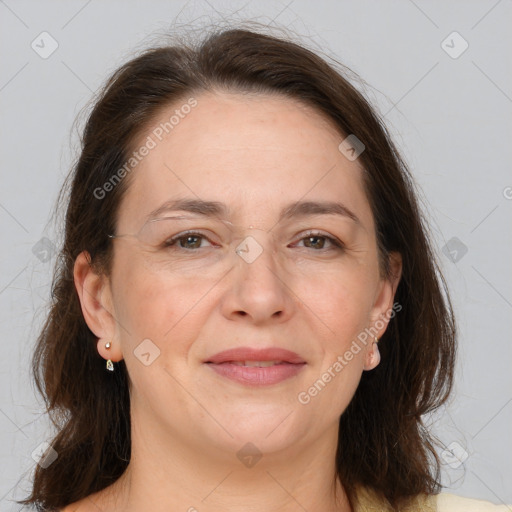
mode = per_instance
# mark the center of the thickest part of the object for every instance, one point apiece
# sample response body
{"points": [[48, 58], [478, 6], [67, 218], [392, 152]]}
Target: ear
{"points": [[96, 302], [383, 308]]}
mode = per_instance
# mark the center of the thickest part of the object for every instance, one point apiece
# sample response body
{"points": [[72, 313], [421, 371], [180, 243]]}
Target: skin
{"points": [[256, 153]]}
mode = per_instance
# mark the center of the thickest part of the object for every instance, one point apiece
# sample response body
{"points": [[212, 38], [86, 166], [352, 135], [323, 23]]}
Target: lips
{"points": [[245, 354], [256, 367]]}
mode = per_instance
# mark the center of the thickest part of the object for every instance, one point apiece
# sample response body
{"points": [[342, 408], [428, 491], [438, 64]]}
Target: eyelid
{"points": [[316, 232], [201, 219], [184, 234]]}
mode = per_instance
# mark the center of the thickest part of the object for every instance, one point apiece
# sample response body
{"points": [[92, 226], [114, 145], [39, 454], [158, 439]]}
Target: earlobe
{"points": [[93, 291], [373, 356]]}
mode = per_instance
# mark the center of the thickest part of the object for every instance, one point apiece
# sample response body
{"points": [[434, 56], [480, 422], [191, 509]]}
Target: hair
{"points": [[382, 443]]}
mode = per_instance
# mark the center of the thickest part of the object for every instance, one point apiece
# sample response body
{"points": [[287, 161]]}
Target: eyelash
{"points": [[337, 244]]}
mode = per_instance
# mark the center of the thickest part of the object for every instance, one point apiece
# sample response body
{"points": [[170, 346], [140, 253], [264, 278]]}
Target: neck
{"points": [[165, 475]]}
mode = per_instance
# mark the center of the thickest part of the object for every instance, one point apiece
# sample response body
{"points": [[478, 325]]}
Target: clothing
{"points": [[367, 501], [452, 503]]}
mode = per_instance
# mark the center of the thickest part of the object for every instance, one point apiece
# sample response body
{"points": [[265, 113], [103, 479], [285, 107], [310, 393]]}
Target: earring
{"points": [[376, 353], [110, 365]]}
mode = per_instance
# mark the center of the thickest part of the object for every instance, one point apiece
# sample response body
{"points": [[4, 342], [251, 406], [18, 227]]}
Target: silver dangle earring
{"points": [[110, 365]]}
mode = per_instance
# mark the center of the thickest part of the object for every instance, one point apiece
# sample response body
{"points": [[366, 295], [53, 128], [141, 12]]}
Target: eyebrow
{"points": [[293, 210]]}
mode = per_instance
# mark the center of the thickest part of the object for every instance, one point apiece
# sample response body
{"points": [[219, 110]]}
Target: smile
{"points": [[257, 373]]}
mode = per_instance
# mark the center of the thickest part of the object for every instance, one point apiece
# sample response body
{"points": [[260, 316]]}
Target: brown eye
{"points": [[190, 242], [319, 242], [315, 242], [187, 241]]}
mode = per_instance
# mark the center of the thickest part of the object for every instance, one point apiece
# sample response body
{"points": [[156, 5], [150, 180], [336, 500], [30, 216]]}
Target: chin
{"points": [[272, 431]]}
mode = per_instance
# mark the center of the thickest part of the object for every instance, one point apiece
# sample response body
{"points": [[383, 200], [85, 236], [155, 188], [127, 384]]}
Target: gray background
{"points": [[450, 116]]}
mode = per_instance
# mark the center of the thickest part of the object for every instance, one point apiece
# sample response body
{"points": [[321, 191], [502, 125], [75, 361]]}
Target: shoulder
{"points": [[74, 507], [368, 501], [82, 505], [95, 502], [447, 502]]}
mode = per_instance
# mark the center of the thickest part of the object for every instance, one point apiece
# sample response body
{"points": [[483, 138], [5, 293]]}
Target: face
{"points": [[276, 267]]}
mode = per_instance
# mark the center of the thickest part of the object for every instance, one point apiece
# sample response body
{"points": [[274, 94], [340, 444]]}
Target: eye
{"points": [[193, 240], [189, 241], [317, 241]]}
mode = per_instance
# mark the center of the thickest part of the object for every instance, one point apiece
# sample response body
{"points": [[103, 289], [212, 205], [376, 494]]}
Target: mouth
{"points": [[256, 355], [256, 367], [259, 364]]}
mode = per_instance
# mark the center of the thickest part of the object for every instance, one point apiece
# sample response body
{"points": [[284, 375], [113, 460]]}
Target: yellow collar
{"points": [[368, 501]]}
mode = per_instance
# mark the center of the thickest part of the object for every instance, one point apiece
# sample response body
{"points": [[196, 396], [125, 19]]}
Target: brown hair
{"points": [[382, 441]]}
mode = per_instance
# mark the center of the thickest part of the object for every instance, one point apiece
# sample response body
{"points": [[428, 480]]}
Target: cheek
{"points": [[342, 301], [153, 303], [158, 305], [340, 307]]}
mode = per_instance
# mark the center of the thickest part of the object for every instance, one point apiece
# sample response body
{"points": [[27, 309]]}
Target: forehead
{"points": [[252, 152]]}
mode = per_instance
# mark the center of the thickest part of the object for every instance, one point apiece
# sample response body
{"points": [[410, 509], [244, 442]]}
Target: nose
{"points": [[258, 290]]}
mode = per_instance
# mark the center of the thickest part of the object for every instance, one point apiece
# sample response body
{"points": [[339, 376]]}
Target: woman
{"points": [[247, 314]]}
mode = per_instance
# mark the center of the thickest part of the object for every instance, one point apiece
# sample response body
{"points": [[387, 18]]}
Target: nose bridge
{"points": [[259, 289], [249, 244]]}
